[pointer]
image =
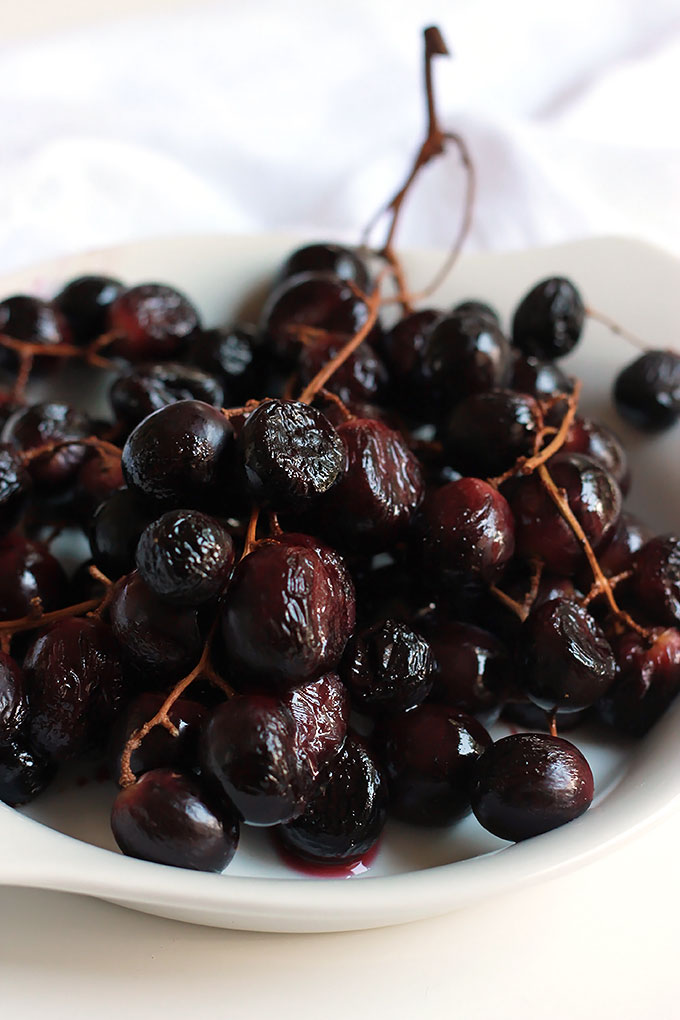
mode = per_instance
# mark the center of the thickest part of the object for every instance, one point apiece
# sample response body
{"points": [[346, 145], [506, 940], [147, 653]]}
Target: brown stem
{"points": [[24, 348], [23, 375], [614, 327], [251, 532], [234, 412], [101, 445], [520, 610], [552, 719], [274, 526], [32, 621], [333, 398]]}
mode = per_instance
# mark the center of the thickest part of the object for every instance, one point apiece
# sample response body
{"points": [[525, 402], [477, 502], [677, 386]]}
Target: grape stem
{"points": [[24, 349], [33, 621], [614, 327], [521, 609], [103, 447]]}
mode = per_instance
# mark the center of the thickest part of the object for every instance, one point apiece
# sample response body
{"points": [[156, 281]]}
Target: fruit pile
{"points": [[327, 552]]}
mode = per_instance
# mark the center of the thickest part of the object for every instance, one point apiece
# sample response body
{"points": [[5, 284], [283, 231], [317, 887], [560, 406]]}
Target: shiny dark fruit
{"points": [[542, 533], [181, 456], [153, 321], [75, 679], [601, 445], [466, 354], [28, 572], [565, 661], [23, 774], [34, 321], [319, 300], [346, 814], [362, 378], [248, 750], [165, 817], [379, 490], [468, 531], [403, 349], [142, 389], [472, 669], [15, 486], [325, 256], [548, 321], [487, 433], [539, 378], [289, 611], [185, 557], [320, 711], [629, 535], [529, 783], [115, 532], [49, 422], [428, 756], [388, 668], [291, 452], [647, 392], [160, 641], [648, 680], [99, 477], [655, 584], [13, 701], [85, 303], [478, 308], [159, 748], [234, 357]]}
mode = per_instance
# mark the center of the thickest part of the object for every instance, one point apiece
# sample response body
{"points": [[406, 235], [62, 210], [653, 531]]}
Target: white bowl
{"points": [[63, 841]]}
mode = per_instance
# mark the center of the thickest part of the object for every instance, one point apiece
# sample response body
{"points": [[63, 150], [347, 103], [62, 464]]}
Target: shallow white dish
{"points": [[63, 841]]}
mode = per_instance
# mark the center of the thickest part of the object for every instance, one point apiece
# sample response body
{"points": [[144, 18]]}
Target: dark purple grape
{"points": [[565, 661], [185, 557], [99, 477], [466, 354], [629, 535], [159, 748], [428, 755], [85, 304], [75, 678], [181, 456], [647, 392], [539, 378], [15, 485], [23, 774], [320, 711], [289, 611], [324, 256], [346, 814], [601, 445], [153, 321], [292, 453], [655, 584], [469, 531], [28, 572], [161, 642], [13, 701], [234, 357], [115, 531], [487, 433], [388, 668], [142, 389], [34, 321], [44, 423], [403, 349], [165, 817], [529, 783], [542, 533], [362, 378], [478, 308], [648, 680], [548, 321]]}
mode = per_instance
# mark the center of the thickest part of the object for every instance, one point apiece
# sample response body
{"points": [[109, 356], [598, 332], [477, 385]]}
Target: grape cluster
{"points": [[320, 569]]}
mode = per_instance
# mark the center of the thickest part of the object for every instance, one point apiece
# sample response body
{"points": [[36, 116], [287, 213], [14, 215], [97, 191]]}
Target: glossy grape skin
{"points": [[362, 378], [549, 319], [655, 584], [565, 661], [428, 755], [403, 349], [28, 571], [49, 422], [478, 308], [648, 680], [488, 432], [23, 774], [289, 611], [161, 643], [324, 256], [466, 354], [181, 456], [234, 356], [647, 391], [15, 486], [14, 706], [629, 535], [165, 817], [601, 445], [291, 452], [531, 717], [320, 711], [185, 557], [142, 389], [379, 490], [115, 531], [542, 533], [34, 321], [387, 668], [159, 748], [85, 303], [539, 378], [529, 783], [75, 678], [154, 322], [98, 478], [319, 300], [468, 531], [346, 814]]}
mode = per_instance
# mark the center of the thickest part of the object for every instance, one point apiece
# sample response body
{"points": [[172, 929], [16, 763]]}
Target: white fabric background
{"points": [[288, 114]]}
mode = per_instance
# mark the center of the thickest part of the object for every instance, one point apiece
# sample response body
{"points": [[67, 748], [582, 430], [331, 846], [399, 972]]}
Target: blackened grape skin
{"points": [[388, 668], [655, 584], [85, 303], [15, 485], [324, 256], [152, 322], [28, 571], [143, 389], [548, 321], [115, 531], [23, 774], [13, 700], [647, 392], [466, 354], [648, 680], [49, 422], [488, 432]]}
